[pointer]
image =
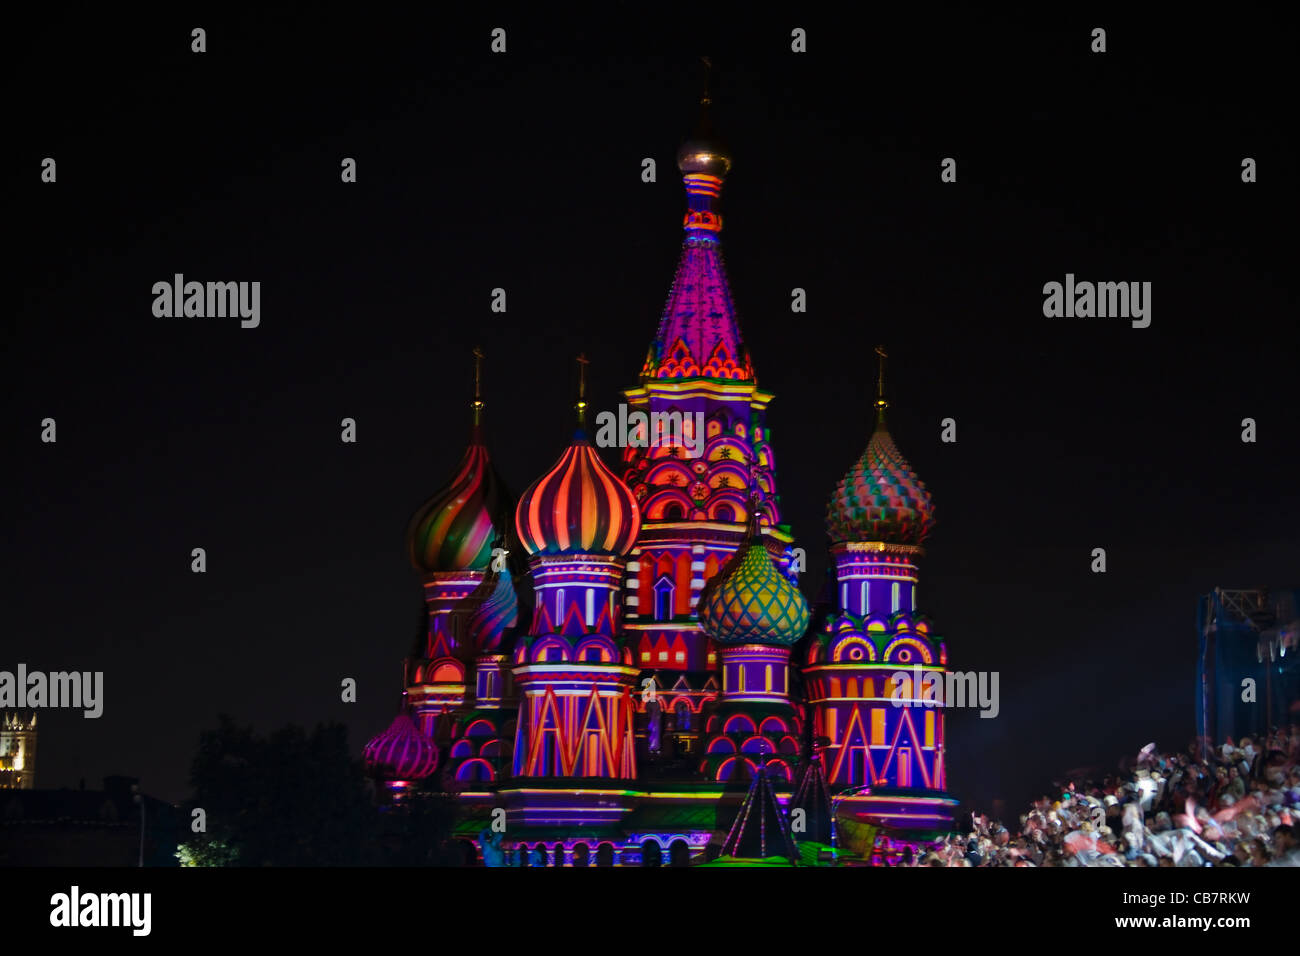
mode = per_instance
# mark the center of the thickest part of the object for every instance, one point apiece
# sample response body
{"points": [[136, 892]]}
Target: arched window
{"points": [[605, 854], [448, 673], [682, 605], [651, 854], [683, 712], [664, 599], [679, 854], [724, 513], [674, 512], [740, 724], [475, 769], [581, 855]]}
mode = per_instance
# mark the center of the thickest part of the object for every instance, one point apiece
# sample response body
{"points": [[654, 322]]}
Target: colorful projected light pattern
{"points": [[753, 602], [880, 498], [401, 755], [623, 661], [456, 527], [453, 680], [698, 335], [754, 614], [574, 674], [694, 500], [499, 611], [579, 506], [876, 518]]}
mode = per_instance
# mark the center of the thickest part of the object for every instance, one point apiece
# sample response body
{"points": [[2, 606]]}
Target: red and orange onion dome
{"points": [[880, 498], [401, 752], [578, 507]]}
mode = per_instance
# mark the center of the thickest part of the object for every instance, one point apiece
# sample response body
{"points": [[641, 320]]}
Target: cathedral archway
{"points": [[679, 854], [652, 853]]}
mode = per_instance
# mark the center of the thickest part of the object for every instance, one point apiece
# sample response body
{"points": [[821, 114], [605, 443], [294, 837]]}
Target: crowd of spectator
{"points": [[1230, 805]]}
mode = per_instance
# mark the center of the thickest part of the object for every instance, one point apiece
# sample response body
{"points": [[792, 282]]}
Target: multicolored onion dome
{"points": [[750, 601], [880, 499], [401, 752], [499, 611], [578, 507], [454, 529]]}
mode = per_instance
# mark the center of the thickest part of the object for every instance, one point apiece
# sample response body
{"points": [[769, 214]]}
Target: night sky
{"points": [[522, 171]]}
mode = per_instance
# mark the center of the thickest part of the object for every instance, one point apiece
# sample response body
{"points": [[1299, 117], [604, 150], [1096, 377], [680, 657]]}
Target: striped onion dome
{"points": [[499, 611], [578, 507], [880, 498], [454, 529], [401, 752], [749, 601]]}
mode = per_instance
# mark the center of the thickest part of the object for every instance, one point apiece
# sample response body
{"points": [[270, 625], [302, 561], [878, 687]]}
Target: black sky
{"points": [[523, 171]]}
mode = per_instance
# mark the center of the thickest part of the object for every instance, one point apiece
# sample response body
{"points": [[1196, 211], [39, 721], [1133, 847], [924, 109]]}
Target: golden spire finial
{"points": [[478, 383], [705, 100], [881, 403]]}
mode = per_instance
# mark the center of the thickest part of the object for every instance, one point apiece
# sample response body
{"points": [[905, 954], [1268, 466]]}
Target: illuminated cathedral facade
{"points": [[618, 666]]}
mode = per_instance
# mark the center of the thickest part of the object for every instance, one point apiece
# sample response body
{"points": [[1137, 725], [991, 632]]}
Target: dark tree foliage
{"points": [[416, 834], [300, 799]]}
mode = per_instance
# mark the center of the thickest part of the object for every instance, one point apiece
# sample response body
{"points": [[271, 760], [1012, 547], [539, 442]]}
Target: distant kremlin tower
{"points": [[17, 752], [621, 658]]}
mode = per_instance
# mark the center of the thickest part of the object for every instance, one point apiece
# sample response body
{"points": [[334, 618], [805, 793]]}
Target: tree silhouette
{"points": [[299, 799]]}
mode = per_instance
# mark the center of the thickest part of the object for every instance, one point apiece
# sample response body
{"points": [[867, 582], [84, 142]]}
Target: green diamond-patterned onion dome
{"points": [[750, 601], [880, 499]]}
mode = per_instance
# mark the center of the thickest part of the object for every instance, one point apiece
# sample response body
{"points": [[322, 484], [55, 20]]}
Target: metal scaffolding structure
{"points": [[1248, 680]]}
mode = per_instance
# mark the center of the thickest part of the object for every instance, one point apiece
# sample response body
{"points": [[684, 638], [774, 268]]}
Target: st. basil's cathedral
{"points": [[618, 666]]}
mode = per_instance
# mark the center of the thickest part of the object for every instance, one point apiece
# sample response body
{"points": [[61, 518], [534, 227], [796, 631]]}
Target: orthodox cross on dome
{"points": [[478, 384], [755, 509], [703, 133], [881, 402], [581, 404]]}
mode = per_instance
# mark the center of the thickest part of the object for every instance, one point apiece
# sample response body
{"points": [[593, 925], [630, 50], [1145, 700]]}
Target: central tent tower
{"points": [[695, 510]]}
